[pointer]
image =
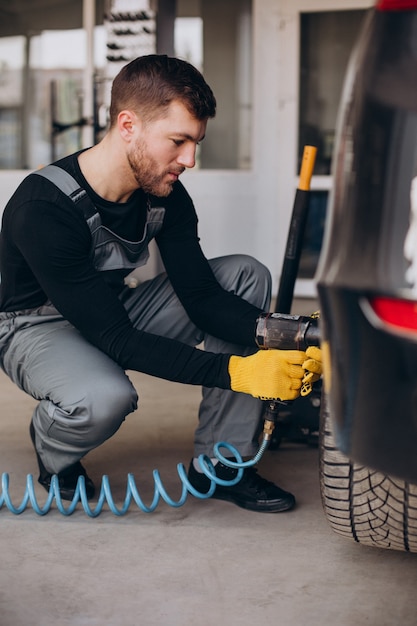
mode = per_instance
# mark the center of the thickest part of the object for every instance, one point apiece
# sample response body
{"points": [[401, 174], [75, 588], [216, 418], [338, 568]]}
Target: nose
{"points": [[186, 157]]}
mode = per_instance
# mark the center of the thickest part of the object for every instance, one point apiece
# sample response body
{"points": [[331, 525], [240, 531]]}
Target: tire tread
{"points": [[362, 504]]}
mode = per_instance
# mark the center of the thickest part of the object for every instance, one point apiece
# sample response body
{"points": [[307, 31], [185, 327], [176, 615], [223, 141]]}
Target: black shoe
{"points": [[67, 478], [252, 492]]}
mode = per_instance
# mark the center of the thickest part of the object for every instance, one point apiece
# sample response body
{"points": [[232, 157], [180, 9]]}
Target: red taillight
{"points": [[396, 5], [401, 314]]}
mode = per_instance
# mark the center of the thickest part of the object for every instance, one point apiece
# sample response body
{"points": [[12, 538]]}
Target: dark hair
{"points": [[148, 85]]}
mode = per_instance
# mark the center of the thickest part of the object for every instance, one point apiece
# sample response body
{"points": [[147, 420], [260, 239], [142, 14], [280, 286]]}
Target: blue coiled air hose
{"points": [[131, 490]]}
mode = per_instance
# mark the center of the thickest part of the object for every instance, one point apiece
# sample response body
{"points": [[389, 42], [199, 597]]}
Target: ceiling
{"points": [[23, 17]]}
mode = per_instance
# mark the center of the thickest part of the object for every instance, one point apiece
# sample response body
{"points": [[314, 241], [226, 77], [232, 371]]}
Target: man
{"points": [[70, 327]]}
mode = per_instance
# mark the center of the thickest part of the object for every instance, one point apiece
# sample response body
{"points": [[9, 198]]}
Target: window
{"points": [[41, 103], [327, 39], [12, 54], [313, 234], [55, 124]]}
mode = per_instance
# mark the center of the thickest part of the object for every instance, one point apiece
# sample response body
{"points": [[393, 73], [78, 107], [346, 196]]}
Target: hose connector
{"points": [[269, 426]]}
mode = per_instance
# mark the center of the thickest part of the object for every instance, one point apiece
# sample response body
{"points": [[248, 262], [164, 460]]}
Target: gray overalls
{"points": [[84, 396]]}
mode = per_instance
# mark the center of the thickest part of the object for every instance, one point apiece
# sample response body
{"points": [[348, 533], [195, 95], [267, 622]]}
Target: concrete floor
{"points": [[206, 563]]}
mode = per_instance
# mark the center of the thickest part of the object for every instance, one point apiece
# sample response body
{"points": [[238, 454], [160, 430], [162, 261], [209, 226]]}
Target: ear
{"points": [[127, 123]]}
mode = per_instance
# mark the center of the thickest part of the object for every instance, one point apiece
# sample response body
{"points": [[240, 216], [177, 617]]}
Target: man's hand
{"points": [[269, 374], [313, 369]]}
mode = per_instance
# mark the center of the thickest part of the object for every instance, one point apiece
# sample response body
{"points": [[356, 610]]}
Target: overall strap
{"points": [[70, 187]]}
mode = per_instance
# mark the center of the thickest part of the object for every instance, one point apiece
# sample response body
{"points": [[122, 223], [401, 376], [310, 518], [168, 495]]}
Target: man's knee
{"points": [[252, 269], [245, 276], [103, 409]]}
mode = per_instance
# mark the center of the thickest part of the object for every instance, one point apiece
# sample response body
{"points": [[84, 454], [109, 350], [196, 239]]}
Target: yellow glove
{"points": [[268, 374], [313, 369]]}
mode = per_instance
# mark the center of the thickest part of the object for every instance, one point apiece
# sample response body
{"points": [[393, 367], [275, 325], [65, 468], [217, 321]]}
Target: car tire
{"points": [[361, 504]]}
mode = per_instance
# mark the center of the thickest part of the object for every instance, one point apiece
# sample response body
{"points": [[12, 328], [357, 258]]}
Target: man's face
{"points": [[164, 148]]}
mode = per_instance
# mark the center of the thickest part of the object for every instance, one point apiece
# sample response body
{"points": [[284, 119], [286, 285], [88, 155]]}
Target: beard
{"points": [[145, 170]]}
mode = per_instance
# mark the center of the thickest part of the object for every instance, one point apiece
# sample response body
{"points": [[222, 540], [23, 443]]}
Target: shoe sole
{"points": [[259, 508]]}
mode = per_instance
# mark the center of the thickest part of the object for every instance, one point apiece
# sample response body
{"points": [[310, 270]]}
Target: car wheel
{"points": [[362, 504]]}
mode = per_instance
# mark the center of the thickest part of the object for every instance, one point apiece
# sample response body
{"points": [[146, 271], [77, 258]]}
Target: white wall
{"points": [[9, 181]]}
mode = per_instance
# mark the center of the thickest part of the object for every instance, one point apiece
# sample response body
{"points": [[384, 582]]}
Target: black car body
{"points": [[367, 275]]}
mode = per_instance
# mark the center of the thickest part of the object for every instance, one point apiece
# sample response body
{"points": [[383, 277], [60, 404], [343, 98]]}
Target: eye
{"points": [[178, 142]]}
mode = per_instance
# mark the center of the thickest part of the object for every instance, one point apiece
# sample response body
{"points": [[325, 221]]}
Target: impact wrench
{"points": [[280, 331]]}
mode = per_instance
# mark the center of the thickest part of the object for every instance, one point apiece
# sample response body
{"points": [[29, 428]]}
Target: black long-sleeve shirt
{"points": [[46, 254]]}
